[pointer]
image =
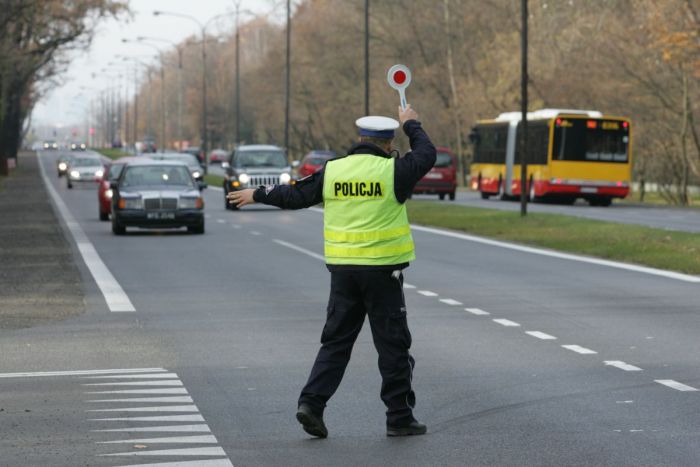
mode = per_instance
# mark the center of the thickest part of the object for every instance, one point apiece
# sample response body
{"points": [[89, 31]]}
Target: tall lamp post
{"points": [[366, 57], [523, 112]]}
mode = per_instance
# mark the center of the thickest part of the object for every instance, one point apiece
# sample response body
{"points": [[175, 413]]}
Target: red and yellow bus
{"points": [[571, 154]]}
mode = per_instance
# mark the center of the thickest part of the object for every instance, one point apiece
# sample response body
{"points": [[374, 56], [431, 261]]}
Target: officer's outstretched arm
{"points": [[241, 197]]}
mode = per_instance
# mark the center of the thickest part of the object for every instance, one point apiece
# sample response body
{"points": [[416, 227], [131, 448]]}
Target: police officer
{"points": [[367, 245]]}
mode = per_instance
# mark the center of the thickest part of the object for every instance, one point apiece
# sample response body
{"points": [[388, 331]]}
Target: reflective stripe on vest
{"points": [[364, 224]]}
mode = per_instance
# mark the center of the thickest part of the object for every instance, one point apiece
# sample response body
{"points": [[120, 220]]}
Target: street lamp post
{"points": [[287, 78], [523, 110]]}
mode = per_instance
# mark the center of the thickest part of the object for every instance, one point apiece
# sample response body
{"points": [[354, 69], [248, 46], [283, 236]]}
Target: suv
{"points": [[250, 166], [441, 180]]}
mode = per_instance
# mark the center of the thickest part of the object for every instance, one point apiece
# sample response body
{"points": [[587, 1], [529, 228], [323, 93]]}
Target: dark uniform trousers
{"points": [[378, 294]]}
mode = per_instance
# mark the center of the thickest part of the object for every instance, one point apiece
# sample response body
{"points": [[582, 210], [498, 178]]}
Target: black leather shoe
{"points": [[312, 423], [414, 428]]}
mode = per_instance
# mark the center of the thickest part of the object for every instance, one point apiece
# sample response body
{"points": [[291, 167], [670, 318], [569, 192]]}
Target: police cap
{"points": [[377, 127]]}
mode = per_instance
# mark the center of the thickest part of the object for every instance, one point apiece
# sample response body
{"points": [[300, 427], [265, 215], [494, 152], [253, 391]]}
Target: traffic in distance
{"points": [[573, 154]]}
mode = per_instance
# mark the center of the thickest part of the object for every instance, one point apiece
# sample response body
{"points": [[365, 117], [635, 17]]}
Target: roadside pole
{"points": [[523, 110]]}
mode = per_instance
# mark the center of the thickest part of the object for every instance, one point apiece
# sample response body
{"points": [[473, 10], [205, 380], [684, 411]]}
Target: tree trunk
{"points": [[456, 114]]}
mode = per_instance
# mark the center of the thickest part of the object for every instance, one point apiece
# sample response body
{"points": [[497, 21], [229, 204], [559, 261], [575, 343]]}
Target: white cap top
{"points": [[376, 123]]}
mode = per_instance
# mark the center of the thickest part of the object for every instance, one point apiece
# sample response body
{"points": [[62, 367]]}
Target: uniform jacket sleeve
{"points": [[305, 193], [416, 163]]}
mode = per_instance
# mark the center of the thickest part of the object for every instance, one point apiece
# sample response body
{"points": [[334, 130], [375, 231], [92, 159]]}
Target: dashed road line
{"points": [[579, 349], [673, 384], [217, 451], [255, 232], [622, 365], [408, 286], [540, 335], [164, 382], [221, 221], [202, 439], [197, 463], [173, 399], [506, 322], [477, 311], [160, 408], [450, 301], [143, 391], [200, 428], [117, 300], [427, 293], [116, 373], [299, 249], [137, 376]]}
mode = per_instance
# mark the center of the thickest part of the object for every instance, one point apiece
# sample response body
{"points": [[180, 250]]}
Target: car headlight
{"points": [[55, 146], [191, 203], [285, 178], [62, 166], [82, 146], [196, 174], [99, 173], [46, 146], [244, 178], [131, 203], [109, 194], [74, 174]]}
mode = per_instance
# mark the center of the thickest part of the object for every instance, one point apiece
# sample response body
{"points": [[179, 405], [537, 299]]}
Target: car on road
{"points": [[84, 168], [112, 171], [218, 155], [50, 145], [195, 151], [78, 146], [157, 194], [189, 160], [441, 180], [62, 164], [314, 161], [252, 165]]}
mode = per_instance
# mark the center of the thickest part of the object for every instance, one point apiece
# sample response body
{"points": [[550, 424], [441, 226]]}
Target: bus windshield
{"points": [[584, 140]]}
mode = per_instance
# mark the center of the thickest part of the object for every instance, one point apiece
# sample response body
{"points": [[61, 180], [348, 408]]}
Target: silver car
{"points": [[85, 168]]}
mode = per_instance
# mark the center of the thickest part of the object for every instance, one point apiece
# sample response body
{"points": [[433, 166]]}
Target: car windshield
{"points": [[443, 160], [85, 162], [318, 160], [260, 159], [114, 171], [188, 159], [157, 175]]}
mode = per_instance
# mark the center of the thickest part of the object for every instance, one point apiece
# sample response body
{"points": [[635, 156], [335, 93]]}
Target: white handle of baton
{"points": [[402, 95]]}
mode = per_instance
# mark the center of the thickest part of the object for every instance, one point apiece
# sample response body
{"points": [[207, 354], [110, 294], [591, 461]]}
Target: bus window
{"points": [[597, 141], [537, 142], [491, 144]]}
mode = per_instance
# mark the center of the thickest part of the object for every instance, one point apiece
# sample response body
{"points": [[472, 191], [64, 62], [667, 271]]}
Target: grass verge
{"points": [[112, 153], [214, 180], [677, 251]]}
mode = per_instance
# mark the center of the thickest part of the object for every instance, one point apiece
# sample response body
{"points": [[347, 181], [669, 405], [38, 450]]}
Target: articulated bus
{"points": [[571, 154]]}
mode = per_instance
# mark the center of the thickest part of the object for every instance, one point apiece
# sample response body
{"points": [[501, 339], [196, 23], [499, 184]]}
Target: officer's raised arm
{"points": [[416, 163], [305, 193]]}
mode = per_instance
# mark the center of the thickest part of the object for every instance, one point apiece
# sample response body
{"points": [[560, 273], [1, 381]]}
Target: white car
{"points": [[84, 169]]}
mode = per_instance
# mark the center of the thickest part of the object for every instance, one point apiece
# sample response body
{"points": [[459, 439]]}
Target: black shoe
{"points": [[414, 428], [312, 423]]}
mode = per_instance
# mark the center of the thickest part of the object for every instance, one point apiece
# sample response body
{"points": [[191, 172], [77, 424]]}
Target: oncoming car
{"points": [[62, 164], [50, 145], [78, 146], [254, 165], [84, 169], [157, 194], [189, 160], [112, 172]]}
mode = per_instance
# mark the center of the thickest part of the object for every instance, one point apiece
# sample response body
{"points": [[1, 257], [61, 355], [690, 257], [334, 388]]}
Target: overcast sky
{"points": [[68, 103]]}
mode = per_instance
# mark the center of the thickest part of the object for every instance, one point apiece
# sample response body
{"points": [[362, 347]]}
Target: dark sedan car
{"points": [[157, 194]]}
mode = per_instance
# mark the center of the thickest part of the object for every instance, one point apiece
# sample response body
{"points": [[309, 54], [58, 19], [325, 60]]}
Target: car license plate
{"points": [[160, 215], [433, 175], [588, 189]]}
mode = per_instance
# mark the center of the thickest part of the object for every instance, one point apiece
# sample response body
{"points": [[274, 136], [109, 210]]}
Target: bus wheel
{"points": [[484, 195], [442, 196]]}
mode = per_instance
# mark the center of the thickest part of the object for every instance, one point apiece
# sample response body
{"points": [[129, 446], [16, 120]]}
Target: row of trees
{"points": [[638, 58], [35, 35]]}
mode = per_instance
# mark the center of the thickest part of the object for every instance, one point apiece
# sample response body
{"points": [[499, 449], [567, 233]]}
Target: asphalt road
{"points": [[522, 359]]}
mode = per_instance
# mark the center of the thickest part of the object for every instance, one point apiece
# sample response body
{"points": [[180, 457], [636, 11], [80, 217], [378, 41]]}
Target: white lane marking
{"points": [[164, 429], [299, 249], [160, 408], [427, 293], [174, 399], [506, 322], [552, 254], [566, 256], [221, 221], [477, 311], [207, 216], [217, 451], [255, 232], [198, 463], [579, 349], [675, 385], [82, 373], [142, 391], [622, 365], [540, 335], [203, 439], [164, 418], [451, 302], [237, 226], [408, 286], [117, 300], [164, 382], [215, 188], [146, 376]]}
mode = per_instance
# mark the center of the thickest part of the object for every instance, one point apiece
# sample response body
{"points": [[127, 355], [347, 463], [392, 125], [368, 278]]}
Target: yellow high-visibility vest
{"points": [[363, 222]]}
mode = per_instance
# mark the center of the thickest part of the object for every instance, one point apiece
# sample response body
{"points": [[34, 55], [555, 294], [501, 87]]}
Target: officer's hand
{"points": [[242, 197], [407, 114]]}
